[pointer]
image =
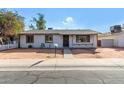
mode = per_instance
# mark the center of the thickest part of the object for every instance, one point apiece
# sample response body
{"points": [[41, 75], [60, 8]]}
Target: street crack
{"points": [[36, 63]]}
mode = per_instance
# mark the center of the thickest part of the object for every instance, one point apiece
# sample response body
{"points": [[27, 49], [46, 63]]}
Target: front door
{"points": [[65, 40]]}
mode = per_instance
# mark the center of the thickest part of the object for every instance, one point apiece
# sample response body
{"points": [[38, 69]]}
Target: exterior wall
{"points": [[91, 44], [23, 41], [38, 39], [107, 43], [58, 39], [119, 40]]}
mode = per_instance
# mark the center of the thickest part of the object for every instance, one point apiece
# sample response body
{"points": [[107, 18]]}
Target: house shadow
{"points": [[118, 49], [84, 51], [30, 50]]}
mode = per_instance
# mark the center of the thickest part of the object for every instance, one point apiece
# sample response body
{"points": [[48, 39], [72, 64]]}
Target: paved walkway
{"points": [[67, 53]]}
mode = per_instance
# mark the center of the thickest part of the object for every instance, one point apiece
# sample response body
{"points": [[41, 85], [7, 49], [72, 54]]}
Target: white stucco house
{"points": [[83, 38]]}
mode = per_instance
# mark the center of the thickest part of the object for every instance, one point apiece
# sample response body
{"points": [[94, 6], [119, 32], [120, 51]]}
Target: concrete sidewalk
{"points": [[61, 64]]}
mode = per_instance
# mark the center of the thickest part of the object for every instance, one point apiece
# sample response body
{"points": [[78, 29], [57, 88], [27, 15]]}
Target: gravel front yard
{"points": [[50, 53], [30, 53], [99, 53]]}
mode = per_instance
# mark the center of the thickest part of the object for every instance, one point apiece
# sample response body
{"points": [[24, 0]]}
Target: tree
{"points": [[10, 23], [32, 27], [39, 22]]}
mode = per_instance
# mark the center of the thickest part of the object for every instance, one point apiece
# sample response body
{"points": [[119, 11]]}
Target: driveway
{"points": [[30, 53], [99, 53]]}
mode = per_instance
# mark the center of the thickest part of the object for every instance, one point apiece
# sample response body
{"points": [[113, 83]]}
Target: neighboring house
{"points": [[118, 39], [106, 40], [112, 39], [85, 38]]}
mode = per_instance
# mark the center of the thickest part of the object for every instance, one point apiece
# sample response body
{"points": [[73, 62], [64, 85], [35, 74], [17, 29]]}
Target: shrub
{"points": [[30, 46]]}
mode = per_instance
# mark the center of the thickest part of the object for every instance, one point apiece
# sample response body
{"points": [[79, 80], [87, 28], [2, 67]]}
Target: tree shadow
{"points": [[31, 50], [118, 49], [84, 51]]}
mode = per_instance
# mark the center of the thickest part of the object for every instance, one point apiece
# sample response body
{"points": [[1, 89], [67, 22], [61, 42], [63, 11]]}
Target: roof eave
{"points": [[57, 34]]}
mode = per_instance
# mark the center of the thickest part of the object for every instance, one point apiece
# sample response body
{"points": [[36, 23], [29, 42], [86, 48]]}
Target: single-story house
{"points": [[84, 38]]}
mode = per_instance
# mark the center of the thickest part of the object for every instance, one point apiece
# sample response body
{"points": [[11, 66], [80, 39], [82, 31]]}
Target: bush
{"points": [[30, 46]]}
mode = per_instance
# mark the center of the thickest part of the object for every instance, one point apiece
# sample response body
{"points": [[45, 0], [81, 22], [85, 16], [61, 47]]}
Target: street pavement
{"points": [[62, 77], [62, 71]]}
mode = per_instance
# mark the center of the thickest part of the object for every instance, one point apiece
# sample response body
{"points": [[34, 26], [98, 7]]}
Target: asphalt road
{"points": [[63, 77]]}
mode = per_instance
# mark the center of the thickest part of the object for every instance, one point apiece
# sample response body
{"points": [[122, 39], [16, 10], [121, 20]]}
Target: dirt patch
{"points": [[30, 53], [99, 53]]}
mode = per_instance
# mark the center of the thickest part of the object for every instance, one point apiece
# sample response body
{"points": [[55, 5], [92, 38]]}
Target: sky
{"points": [[99, 19]]}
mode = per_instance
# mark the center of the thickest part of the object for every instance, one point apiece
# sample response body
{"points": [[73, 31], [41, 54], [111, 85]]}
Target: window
{"points": [[49, 38], [29, 39], [82, 38]]}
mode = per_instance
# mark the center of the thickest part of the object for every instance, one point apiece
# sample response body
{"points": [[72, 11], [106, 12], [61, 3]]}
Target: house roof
{"points": [[63, 32]]}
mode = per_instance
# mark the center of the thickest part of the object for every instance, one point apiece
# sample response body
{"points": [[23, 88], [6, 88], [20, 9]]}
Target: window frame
{"points": [[29, 38], [46, 38], [87, 41]]}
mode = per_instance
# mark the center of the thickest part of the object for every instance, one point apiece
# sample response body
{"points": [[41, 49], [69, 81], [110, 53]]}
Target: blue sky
{"points": [[99, 19]]}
